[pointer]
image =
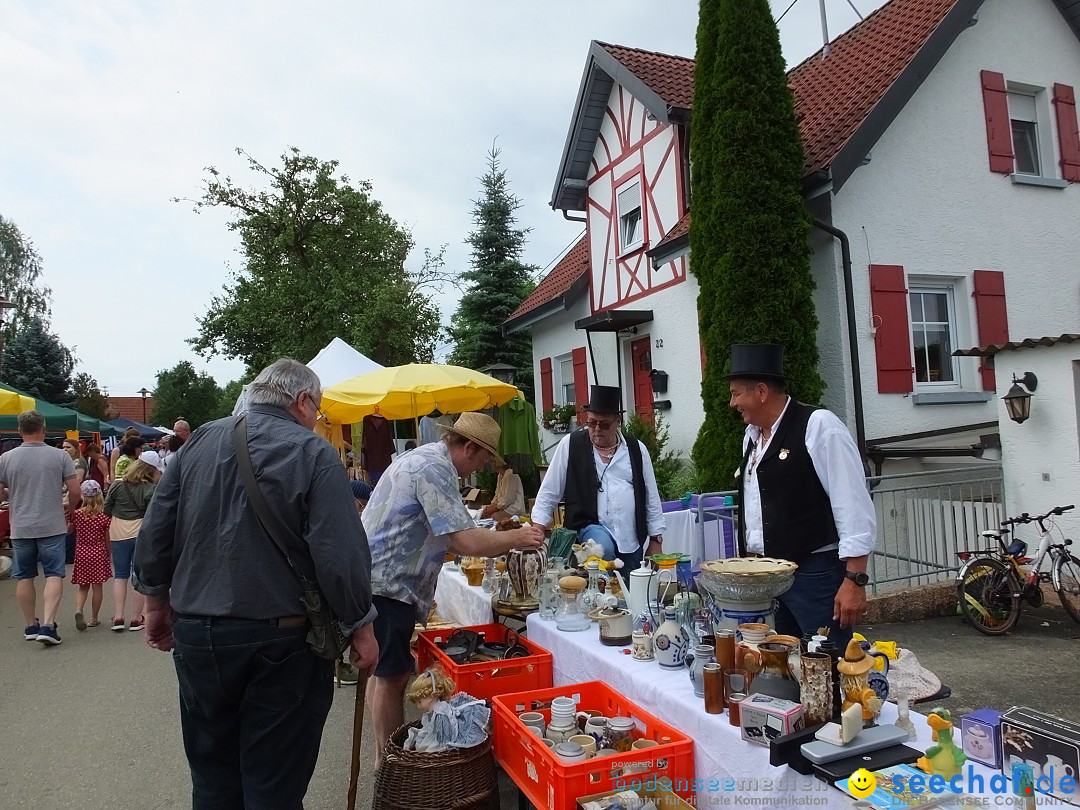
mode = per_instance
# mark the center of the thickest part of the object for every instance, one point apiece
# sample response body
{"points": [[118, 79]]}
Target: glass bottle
{"points": [[592, 591], [549, 594], [903, 719], [713, 676]]}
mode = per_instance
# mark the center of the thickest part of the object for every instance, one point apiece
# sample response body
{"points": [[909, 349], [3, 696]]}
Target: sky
{"points": [[112, 109]]}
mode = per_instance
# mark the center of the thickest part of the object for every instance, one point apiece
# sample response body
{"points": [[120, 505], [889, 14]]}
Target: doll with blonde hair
{"points": [[449, 720], [93, 565]]}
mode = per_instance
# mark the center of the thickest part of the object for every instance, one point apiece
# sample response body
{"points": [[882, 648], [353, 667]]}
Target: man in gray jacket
{"points": [[253, 696]]}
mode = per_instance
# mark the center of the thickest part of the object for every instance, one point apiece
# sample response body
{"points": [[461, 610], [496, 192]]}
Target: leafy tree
{"points": [[229, 394], [749, 235], [498, 282], [20, 276], [87, 397], [36, 362], [181, 392], [321, 260]]}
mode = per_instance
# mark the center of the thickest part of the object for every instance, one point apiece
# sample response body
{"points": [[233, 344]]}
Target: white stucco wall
{"points": [[928, 201], [553, 337], [1041, 457]]}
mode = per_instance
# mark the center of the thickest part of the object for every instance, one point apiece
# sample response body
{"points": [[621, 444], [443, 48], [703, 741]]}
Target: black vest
{"points": [[582, 484], [796, 513]]}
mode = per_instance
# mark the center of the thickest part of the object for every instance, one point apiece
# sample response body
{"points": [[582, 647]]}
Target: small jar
{"points": [[620, 734]]}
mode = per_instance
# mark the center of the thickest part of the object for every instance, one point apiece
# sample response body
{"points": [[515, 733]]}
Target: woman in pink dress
{"points": [[93, 565]]}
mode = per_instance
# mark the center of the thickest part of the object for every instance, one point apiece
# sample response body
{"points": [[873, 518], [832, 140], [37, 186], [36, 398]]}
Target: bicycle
{"points": [[991, 583]]}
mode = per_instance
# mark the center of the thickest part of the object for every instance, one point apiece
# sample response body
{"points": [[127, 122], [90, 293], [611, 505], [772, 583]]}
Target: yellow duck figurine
{"points": [[946, 758]]}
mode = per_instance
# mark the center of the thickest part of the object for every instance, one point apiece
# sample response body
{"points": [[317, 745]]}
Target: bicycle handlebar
{"points": [[1026, 517]]}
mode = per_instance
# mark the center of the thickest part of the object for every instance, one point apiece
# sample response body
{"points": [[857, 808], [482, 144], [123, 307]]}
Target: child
{"points": [[92, 562], [449, 720]]}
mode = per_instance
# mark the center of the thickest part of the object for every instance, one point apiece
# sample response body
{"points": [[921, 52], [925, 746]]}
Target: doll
{"points": [[449, 720]]}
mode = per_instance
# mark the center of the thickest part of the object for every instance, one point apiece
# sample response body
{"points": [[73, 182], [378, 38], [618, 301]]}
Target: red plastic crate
{"points": [[550, 783], [488, 678]]}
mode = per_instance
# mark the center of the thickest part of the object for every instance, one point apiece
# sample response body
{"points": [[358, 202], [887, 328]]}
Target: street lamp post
{"points": [[4, 306], [143, 392]]}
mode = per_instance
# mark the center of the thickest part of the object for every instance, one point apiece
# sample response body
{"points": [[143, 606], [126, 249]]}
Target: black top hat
{"points": [[605, 399], [756, 361]]}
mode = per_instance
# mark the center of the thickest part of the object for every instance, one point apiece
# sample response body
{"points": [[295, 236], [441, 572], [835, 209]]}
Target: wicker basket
{"points": [[455, 779]]}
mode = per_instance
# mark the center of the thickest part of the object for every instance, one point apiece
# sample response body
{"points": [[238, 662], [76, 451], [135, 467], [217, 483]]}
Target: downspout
{"points": [[849, 299], [566, 215]]}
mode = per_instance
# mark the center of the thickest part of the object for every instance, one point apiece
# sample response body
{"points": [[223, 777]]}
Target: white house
{"points": [[941, 142]]}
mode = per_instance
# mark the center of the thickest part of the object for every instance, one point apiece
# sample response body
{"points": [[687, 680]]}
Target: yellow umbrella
{"points": [[411, 391], [12, 404]]}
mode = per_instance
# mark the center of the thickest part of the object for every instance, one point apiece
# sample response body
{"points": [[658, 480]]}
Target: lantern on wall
{"points": [[1018, 400]]}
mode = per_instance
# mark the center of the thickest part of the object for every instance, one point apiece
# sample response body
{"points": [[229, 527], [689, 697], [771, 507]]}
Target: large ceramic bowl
{"points": [[746, 579]]}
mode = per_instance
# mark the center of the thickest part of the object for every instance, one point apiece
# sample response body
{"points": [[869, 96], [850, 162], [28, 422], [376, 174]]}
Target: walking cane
{"points": [[357, 733]]}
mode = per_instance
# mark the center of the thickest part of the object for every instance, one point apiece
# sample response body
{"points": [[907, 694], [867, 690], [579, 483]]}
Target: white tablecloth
{"points": [[720, 753], [460, 602]]}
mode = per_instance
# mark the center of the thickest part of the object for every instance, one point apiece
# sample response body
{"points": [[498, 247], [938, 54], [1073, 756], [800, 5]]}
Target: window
{"points": [[631, 228], [1024, 118], [933, 333], [566, 381]]}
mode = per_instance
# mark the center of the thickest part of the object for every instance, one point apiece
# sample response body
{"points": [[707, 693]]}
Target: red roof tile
{"points": [[680, 228], [670, 77], [832, 95], [559, 279], [130, 408]]}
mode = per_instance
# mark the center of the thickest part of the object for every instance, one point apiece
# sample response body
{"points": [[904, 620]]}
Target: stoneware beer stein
{"points": [[643, 646]]}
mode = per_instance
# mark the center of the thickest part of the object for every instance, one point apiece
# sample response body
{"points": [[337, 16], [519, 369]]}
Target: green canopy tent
{"points": [[58, 420]]}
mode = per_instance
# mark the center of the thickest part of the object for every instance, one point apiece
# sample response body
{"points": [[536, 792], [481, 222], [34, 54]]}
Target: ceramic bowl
{"points": [[746, 579]]}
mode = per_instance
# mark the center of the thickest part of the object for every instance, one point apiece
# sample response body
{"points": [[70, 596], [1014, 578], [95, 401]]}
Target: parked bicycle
{"points": [[992, 583]]}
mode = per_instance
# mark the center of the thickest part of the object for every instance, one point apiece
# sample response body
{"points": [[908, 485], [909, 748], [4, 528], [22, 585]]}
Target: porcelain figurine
{"points": [[670, 642], [449, 720], [946, 758], [853, 682]]}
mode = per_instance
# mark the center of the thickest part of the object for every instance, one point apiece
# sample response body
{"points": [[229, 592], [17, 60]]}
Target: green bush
{"points": [[667, 466]]}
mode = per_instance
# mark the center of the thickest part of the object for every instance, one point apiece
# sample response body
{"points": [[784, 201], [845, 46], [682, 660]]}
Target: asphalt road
{"points": [[94, 722]]}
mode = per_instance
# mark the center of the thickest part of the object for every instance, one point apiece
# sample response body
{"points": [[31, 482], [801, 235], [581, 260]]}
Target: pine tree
{"points": [[35, 361], [749, 237], [497, 283]]}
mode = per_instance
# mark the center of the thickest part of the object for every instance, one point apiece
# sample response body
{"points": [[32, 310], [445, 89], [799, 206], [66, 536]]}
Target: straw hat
{"points": [[856, 661], [478, 428]]}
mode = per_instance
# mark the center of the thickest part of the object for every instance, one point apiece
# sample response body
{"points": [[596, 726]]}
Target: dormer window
{"points": [[631, 227]]}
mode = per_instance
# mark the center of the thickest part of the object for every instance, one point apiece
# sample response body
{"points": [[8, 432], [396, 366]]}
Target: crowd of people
{"points": [[72, 504]]}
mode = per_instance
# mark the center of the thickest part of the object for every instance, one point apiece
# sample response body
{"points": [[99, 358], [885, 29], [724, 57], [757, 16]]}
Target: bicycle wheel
{"points": [[1066, 579], [989, 596]]}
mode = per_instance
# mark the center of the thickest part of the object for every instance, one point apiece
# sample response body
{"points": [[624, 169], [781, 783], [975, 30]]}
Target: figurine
{"points": [[449, 720], [853, 682], [583, 552], [946, 758]]}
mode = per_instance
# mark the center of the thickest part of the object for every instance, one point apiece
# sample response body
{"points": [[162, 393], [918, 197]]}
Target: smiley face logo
{"points": [[862, 783]]}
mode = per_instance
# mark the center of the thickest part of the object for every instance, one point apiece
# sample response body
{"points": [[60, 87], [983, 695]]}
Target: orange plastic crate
{"points": [[551, 784], [488, 678]]}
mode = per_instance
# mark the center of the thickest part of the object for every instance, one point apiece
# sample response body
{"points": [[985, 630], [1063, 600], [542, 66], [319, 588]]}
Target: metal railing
{"points": [[924, 518]]}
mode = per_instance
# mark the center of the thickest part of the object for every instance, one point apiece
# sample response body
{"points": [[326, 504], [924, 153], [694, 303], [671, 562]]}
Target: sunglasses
{"points": [[595, 424]]}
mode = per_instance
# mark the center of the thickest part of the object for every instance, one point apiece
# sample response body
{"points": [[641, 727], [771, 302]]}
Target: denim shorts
{"points": [[122, 552], [49, 551]]}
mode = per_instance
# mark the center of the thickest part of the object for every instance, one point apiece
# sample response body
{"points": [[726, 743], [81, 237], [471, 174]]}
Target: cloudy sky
{"points": [[110, 109]]}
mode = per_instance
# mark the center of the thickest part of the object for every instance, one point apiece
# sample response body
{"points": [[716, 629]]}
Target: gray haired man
{"points": [[32, 476], [253, 696]]}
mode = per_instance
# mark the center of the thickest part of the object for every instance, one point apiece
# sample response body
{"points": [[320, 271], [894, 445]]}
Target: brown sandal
{"points": [[93, 623]]}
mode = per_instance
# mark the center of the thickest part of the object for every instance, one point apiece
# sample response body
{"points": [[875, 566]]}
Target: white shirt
{"points": [[615, 507], [840, 470]]}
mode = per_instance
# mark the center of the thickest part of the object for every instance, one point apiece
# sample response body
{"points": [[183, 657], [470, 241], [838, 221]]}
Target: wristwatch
{"points": [[860, 578]]}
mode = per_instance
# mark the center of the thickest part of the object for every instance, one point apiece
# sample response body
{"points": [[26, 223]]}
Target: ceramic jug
{"points": [[670, 642], [641, 592], [775, 677], [696, 661]]}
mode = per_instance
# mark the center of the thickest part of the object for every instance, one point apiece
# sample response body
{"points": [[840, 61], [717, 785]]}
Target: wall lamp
{"points": [[1018, 400]]}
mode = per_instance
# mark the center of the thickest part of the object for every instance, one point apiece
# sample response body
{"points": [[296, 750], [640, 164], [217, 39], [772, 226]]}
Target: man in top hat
{"points": [[802, 497], [606, 479], [414, 516]]}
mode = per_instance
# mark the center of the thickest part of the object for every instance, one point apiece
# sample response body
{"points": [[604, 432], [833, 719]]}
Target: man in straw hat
{"points": [[802, 497], [607, 481], [414, 517]]}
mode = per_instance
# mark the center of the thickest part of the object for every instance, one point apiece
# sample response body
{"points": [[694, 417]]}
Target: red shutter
{"points": [[581, 383], [998, 127], [992, 316], [1068, 132], [547, 390], [892, 340]]}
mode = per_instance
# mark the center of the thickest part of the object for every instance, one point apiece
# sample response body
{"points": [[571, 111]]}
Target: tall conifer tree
{"points": [[748, 239], [498, 282]]}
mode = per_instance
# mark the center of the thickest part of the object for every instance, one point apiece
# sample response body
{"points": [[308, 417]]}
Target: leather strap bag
{"points": [[325, 637]]}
